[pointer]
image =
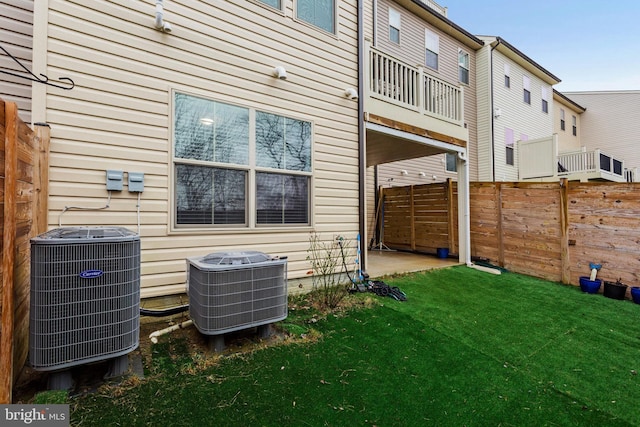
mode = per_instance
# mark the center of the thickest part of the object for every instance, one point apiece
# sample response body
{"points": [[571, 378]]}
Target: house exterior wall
{"points": [[119, 116], [484, 115], [611, 123], [412, 50], [16, 34], [567, 141], [525, 120]]}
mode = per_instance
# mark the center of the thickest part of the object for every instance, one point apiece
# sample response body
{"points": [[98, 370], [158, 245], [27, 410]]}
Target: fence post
{"points": [[500, 230], [450, 220], [564, 226], [413, 219], [8, 251], [41, 178]]}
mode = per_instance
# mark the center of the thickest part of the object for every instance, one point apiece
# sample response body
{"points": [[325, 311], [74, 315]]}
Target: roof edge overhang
{"points": [[510, 51], [442, 23], [567, 101]]}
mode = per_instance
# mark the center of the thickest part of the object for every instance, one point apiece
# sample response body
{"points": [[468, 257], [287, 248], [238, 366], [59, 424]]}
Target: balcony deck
{"points": [[405, 97]]}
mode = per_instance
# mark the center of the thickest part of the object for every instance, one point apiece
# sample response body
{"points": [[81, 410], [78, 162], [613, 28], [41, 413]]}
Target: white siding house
{"points": [[234, 155], [611, 123], [515, 103]]}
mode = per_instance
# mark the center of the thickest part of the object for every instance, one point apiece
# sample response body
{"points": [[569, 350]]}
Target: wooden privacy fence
{"points": [[23, 195], [547, 230]]}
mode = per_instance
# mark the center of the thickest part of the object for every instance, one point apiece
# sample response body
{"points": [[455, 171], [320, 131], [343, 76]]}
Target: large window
{"points": [[222, 168], [562, 123], [432, 44], [321, 13], [463, 66], [574, 123], [545, 103], [394, 26]]}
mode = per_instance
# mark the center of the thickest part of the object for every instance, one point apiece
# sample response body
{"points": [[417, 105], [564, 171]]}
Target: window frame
{"points": [[447, 157], [462, 67], [431, 36], [544, 94], [507, 76], [334, 18], [562, 122], [251, 170], [264, 3], [395, 17], [526, 87], [509, 143], [574, 122]]}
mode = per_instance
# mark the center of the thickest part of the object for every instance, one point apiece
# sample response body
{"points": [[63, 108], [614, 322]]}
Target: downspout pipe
{"points": [[165, 27], [493, 136], [362, 146]]}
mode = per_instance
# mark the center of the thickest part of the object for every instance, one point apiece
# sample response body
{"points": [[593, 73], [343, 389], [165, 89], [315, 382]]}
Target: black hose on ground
{"points": [[165, 312]]}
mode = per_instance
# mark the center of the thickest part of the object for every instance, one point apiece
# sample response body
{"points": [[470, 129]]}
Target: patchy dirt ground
{"points": [[89, 377]]}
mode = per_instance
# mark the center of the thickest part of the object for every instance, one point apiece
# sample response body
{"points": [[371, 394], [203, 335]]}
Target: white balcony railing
{"points": [[590, 162], [394, 81]]}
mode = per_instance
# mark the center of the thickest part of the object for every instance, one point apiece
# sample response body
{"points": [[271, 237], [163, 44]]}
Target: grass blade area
{"points": [[467, 349]]}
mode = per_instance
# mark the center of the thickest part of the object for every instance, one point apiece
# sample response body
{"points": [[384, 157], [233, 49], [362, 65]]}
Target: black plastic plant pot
{"points": [[590, 286], [635, 294], [614, 290]]}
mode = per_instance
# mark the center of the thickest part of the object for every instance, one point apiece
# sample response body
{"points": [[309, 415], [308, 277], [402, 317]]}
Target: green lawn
{"points": [[467, 349]]}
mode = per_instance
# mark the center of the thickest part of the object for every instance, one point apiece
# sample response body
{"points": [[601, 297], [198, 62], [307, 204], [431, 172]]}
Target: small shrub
{"points": [[328, 262]]}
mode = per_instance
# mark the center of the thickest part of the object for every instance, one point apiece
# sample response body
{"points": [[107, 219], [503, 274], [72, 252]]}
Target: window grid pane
{"points": [[320, 13], [282, 199], [207, 195]]}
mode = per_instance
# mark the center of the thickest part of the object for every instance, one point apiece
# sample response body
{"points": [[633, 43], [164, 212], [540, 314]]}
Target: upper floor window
{"points": [[509, 150], [463, 66], [574, 121], [507, 75], [526, 86], [229, 160], [432, 44], [545, 103], [394, 26], [562, 119], [273, 3], [321, 13]]}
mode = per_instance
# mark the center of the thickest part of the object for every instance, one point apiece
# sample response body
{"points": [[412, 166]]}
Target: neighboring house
{"points": [[567, 122], [239, 118], [515, 104], [611, 123], [16, 37], [420, 33]]}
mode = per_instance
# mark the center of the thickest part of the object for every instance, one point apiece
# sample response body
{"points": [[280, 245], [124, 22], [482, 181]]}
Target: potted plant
{"points": [[615, 290], [590, 286]]}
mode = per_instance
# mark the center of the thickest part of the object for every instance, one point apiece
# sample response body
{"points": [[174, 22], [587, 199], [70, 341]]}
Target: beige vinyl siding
{"points": [[517, 115], [566, 140], [16, 36], [119, 116], [611, 123], [484, 115]]}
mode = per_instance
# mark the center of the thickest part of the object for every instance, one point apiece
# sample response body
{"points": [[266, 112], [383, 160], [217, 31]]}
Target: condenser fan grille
{"points": [[225, 297], [85, 299]]}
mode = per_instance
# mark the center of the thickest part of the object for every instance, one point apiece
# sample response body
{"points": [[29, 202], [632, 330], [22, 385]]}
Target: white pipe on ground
{"points": [[154, 335]]}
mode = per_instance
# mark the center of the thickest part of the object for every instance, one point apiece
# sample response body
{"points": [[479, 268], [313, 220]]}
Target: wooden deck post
{"points": [[8, 252], [452, 231], [412, 209], [500, 227]]}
